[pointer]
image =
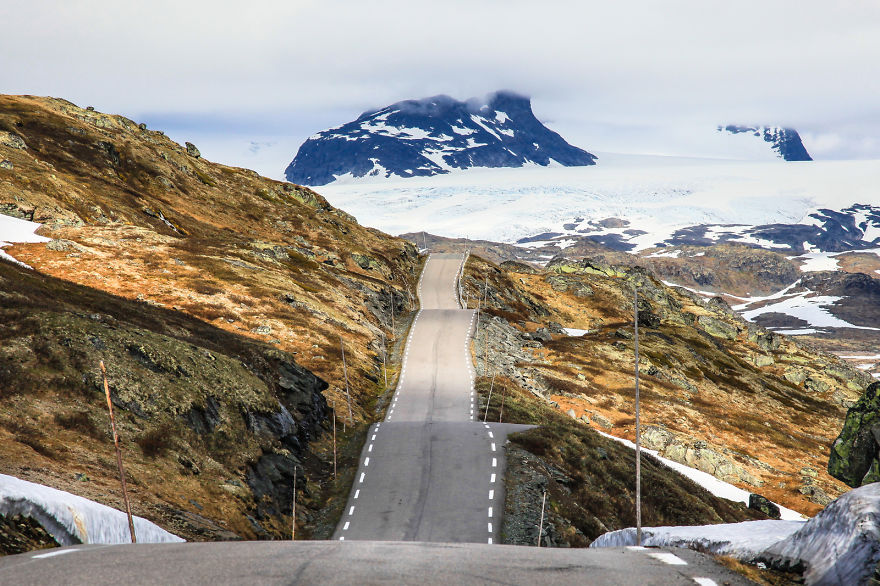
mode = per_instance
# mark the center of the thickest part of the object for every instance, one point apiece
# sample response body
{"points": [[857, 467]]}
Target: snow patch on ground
{"points": [[742, 540], [16, 231], [72, 519], [574, 332]]}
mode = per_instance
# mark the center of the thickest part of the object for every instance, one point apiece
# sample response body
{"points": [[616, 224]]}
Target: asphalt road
{"points": [[431, 471], [334, 562]]}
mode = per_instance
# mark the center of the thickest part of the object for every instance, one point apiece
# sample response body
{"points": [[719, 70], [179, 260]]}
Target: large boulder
{"points": [[840, 545], [854, 454]]}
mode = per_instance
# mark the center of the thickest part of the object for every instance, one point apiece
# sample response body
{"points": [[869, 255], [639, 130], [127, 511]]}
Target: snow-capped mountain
{"points": [[784, 142], [433, 136]]}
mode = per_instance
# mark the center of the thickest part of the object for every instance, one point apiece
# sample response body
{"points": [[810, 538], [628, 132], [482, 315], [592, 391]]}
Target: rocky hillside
{"points": [[433, 135], [751, 407], [231, 296]]}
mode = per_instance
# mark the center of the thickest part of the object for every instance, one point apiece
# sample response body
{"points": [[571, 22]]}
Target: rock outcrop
{"points": [[855, 454]]}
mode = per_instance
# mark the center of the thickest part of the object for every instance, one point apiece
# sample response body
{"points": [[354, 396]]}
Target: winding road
{"points": [[431, 471]]}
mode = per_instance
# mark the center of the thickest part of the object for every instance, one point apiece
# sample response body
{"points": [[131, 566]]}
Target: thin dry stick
{"points": [[392, 312], [345, 372], [293, 513], [501, 412], [118, 455], [384, 362], [333, 406], [489, 400], [541, 526]]}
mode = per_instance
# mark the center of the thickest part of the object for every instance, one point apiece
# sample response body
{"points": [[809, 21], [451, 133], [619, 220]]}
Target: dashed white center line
{"points": [[362, 477], [490, 541], [374, 438], [490, 512], [370, 449], [491, 495], [342, 539], [366, 461], [494, 462], [493, 446], [705, 581], [490, 527], [345, 527], [357, 493], [351, 510], [491, 436], [491, 480]]}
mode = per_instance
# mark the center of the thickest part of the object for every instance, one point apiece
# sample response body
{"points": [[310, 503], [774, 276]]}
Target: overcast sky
{"points": [[249, 81]]}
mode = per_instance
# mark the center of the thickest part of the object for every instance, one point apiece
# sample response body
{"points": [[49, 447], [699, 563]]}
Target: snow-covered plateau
{"points": [[72, 519], [658, 196]]}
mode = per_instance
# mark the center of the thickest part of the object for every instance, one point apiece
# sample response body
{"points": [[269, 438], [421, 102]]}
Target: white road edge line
{"points": [[705, 581], [668, 558], [52, 554]]}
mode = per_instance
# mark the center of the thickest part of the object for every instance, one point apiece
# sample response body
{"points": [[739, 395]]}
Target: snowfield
{"points": [[14, 231], [656, 194], [72, 519]]}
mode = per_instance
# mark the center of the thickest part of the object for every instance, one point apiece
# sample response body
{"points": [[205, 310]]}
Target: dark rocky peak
{"points": [[785, 141], [433, 136]]}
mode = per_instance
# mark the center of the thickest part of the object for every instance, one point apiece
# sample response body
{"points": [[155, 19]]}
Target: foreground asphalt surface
{"points": [[363, 562]]}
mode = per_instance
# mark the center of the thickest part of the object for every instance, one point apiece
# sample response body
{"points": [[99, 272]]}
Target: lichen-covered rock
{"points": [[854, 454], [717, 328], [12, 141], [192, 151], [763, 504]]}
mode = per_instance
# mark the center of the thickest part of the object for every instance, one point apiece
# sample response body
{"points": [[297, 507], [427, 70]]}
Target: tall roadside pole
{"points": [[638, 429]]}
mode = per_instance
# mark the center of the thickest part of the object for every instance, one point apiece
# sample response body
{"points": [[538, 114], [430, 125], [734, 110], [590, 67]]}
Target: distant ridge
{"points": [[785, 141], [432, 136]]}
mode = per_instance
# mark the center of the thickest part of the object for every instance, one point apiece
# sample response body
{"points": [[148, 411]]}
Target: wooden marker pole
{"points": [[347, 394], [118, 455], [333, 406], [541, 526], [293, 512], [489, 400]]}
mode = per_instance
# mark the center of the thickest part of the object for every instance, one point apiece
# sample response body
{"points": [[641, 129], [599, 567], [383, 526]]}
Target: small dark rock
{"points": [[760, 503]]}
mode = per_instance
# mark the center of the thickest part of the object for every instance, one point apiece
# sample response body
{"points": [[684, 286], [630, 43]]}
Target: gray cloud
{"points": [[599, 70]]}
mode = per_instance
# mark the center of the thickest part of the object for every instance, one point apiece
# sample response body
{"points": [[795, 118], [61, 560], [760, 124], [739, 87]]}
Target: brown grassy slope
{"points": [[133, 214], [771, 425]]}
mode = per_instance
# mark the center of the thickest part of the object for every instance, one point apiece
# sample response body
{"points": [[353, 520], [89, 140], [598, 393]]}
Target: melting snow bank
{"points": [[840, 545], [742, 540], [14, 230], [72, 519], [717, 487]]}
